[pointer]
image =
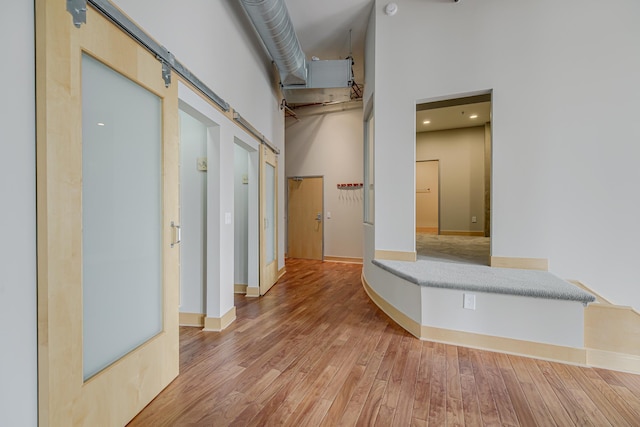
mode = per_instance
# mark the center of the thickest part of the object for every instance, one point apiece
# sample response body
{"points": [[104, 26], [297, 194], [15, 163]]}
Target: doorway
{"points": [[453, 148], [193, 211], [305, 230], [427, 196]]}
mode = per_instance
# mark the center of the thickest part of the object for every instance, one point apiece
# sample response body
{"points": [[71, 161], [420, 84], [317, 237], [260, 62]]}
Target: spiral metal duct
{"points": [[273, 24]]}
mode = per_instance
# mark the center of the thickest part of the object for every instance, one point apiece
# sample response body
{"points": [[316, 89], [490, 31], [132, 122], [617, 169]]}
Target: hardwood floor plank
{"points": [[359, 396], [501, 395], [470, 403], [520, 402], [315, 350], [605, 398], [422, 395], [488, 408], [438, 390], [392, 391], [371, 407], [581, 397], [573, 408], [404, 407], [556, 409]]}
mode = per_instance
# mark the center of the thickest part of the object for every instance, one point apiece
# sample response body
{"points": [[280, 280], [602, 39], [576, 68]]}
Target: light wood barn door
{"points": [[268, 220], [108, 264]]}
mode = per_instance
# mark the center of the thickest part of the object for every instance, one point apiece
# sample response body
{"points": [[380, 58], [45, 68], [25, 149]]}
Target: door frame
{"points": [[287, 210], [438, 162], [117, 393]]}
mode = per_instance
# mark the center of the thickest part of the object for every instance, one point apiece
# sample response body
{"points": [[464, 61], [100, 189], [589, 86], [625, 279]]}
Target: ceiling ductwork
{"points": [[271, 20], [302, 82]]}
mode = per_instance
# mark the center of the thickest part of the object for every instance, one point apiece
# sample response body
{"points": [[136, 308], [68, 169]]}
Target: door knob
{"points": [[319, 216]]}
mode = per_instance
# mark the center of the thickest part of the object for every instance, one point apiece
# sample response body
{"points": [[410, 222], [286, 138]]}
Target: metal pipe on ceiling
{"points": [[272, 22]]}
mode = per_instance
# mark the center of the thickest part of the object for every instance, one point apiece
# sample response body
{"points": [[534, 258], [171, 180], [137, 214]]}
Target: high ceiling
{"points": [[332, 29], [323, 29]]}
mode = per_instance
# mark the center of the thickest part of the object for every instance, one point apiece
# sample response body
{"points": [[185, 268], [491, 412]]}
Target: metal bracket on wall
{"points": [[78, 11], [166, 73]]}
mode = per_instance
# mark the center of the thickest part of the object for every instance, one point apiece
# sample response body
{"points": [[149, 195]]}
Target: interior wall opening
{"points": [[193, 212], [453, 179]]}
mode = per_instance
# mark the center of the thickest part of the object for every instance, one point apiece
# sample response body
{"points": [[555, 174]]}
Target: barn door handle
{"points": [[177, 236]]}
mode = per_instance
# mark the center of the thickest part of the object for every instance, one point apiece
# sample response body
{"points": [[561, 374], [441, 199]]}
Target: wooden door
{"points": [[108, 264], [305, 222], [427, 199], [268, 220]]}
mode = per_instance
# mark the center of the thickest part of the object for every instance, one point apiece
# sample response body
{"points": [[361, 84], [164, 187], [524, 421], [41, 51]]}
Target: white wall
{"points": [[216, 42], [18, 363], [461, 161], [565, 139], [330, 145], [193, 211]]}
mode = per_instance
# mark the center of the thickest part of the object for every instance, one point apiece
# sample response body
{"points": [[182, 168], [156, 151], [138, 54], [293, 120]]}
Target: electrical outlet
{"points": [[469, 301]]}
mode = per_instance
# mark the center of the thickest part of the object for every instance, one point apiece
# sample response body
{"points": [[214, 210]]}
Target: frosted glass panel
{"points": [[121, 215], [270, 231]]}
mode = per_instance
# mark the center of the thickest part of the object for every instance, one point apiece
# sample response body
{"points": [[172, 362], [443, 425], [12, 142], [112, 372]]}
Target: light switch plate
{"points": [[227, 217], [202, 164]]}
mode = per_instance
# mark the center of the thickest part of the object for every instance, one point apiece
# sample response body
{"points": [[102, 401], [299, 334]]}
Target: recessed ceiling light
{"points": [[426, 122], [100, 124], [473, 116]]}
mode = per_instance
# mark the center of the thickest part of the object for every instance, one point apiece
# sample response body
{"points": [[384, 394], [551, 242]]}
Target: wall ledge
{"points": [[611, 333]]}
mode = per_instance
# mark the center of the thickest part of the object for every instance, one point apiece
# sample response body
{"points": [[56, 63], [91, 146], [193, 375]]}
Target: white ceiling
{"points": [[323, 28], [457, 116]]}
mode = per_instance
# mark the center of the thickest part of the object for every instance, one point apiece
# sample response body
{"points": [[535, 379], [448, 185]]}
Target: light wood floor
{"points": [[316, 351]]}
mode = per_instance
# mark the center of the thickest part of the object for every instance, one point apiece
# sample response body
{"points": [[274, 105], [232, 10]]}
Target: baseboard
{"points": [[396, 255], [612, 328], [522, 263], [396, 315], [431, 230], [281, 272], [191, 319], [240, 289], [217, 324], [614, 361], [253, 291], [461, 233], [484, 342], [342, 259], [556, 353]]}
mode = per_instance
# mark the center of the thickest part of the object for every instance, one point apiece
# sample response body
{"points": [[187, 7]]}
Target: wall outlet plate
{"points": [[469, 301]]}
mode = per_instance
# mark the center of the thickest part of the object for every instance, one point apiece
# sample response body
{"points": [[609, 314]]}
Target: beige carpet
{"points": [[467, 249]]}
